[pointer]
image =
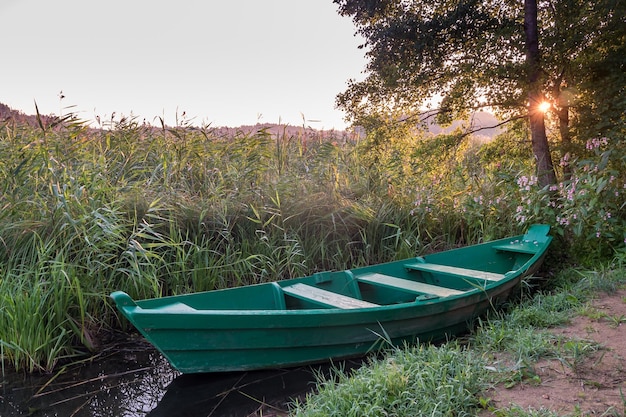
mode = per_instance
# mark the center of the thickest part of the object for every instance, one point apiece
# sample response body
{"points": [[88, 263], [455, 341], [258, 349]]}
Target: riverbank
{"points": [[588, 381], [557, 353]]}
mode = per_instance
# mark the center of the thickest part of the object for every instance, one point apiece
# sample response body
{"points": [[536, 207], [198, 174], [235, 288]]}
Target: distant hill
{"points": [[7, 114], [277, 130], [481, 122]]}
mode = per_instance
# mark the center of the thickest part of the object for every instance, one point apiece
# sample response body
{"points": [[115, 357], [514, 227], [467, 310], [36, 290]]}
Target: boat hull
{"points": [[313, 319]]}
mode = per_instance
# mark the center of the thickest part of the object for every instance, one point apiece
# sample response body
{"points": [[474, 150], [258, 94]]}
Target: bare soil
{"points": [[588, 384]]}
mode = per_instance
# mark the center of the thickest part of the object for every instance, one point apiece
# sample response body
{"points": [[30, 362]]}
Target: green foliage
{"points": [[164, 211], [588, 209], [459, 51], [424, 380], [39, 317], [599, 92], [473, 54], [517, 411]]}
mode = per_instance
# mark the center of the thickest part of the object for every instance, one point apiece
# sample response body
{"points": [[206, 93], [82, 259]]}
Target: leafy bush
{"points": [[588, 209]]}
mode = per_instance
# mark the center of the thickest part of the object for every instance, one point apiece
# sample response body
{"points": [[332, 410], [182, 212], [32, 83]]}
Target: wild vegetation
{"points": [[155, 211], [508, 56], [158, 211]]}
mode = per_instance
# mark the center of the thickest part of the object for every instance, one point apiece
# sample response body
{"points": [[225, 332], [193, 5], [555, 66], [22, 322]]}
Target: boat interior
{"points": [[421, 279]]}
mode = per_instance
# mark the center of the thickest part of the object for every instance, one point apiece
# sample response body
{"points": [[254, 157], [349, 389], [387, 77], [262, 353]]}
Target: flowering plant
{"points": [[588, 208]]}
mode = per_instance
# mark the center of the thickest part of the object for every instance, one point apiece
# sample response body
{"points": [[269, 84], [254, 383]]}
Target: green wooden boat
{"points": [[333, 315]]}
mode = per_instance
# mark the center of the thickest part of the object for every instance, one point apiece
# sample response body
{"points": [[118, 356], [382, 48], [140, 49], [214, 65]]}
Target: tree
{"points": [[584, 63], [418, 50], [478, 53]]}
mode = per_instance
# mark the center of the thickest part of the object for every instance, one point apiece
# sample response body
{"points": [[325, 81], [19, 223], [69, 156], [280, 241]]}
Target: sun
{"points": [[544, 106]]}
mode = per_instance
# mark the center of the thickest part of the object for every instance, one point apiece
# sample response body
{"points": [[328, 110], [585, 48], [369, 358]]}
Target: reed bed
{"points": [[155, 211]]}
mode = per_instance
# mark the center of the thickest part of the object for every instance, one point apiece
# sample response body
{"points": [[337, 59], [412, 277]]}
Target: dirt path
{"points": [[590, 383]]}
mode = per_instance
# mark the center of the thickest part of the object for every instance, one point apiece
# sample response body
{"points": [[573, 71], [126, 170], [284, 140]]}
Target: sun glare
{"points": [[544, 106]]}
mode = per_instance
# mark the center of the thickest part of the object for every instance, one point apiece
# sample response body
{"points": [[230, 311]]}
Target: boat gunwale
{"points": [[161, 311]]}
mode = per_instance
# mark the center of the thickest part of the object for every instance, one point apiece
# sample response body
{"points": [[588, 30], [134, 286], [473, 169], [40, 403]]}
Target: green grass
{"points": [[423, 380]]}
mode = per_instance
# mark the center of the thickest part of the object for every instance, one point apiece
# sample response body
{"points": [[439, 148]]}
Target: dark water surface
{"points": [[139, 382]]}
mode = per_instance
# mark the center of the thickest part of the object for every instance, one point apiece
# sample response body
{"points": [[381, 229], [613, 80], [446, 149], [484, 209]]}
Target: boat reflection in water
{"points": [[238, 394], [139, 382], [127, 383]]}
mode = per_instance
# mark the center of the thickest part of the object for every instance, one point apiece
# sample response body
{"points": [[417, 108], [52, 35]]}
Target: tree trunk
{"points": [[541, 149]]}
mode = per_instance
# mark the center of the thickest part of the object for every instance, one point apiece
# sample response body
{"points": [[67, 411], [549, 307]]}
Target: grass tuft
{"points": [[424, 380]]}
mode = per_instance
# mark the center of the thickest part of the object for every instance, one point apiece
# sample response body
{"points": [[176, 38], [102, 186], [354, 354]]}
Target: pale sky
{"points": [[223, 62]]}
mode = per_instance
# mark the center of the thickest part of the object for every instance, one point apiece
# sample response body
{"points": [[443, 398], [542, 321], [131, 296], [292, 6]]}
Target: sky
{"points": [[221, 62]]}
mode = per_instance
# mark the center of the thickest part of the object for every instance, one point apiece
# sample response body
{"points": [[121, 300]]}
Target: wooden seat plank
{"points": [[176, 308], [519, 247], [455, 271], [328, 298], [407, 285]]}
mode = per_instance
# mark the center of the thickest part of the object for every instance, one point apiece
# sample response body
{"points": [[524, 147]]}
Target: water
{"points": [[138, 382]]}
